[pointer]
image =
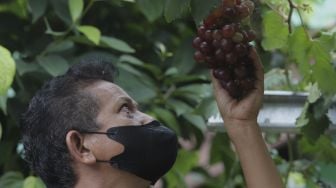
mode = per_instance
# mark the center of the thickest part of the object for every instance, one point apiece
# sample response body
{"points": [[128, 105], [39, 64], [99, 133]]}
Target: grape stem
{"points": [[292, 6]]}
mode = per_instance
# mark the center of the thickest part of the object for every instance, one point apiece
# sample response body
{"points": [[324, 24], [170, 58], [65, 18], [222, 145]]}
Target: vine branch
{"points": [[292, 6]]}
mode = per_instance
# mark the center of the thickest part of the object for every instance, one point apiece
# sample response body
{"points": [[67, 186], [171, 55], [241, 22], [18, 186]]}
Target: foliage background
{"points": [[150, 42]]}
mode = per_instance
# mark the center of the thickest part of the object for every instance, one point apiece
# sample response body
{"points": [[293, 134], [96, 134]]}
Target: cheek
{"points": [[106, 148]]}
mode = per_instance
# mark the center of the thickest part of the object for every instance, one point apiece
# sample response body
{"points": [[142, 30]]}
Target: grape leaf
{"points": [[322, 70], [7, 70], [315, 127], [298, 48], [175, 9], [322, 149], [275, 31], [152, 9]]}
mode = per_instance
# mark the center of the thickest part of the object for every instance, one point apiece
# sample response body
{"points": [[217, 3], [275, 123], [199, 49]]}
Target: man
{"points": [[81, 130]]}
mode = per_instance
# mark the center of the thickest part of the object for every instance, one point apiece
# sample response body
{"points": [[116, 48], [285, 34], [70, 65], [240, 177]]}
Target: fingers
{"points": [[222, 96], [259, 69]]}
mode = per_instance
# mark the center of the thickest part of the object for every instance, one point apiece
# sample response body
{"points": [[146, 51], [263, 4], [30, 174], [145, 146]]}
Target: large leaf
{"points": [[201, 8], [221, 151], [53, 64], [298, 48], [152, 9], [60, 46], [61, 8], [179, 106], [91, 32], [195, 120], [182, 59], [323, 71], [275, 31], [7, 70], [76, 9], [135, 87], [322, 149], [116, 44], [185, 161], [38, 8], [167, 117], [175, 9], [11, 180], [130, 59], [33, 182]]}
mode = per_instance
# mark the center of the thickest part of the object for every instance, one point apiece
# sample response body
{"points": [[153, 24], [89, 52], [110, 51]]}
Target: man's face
{"points": [[117, 108]]}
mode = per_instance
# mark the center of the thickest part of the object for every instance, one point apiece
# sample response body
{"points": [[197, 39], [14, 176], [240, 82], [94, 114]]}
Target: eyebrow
{"points": [[128, 100]]}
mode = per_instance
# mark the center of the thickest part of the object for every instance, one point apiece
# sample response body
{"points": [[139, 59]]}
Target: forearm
{"points": [[258, 167]]}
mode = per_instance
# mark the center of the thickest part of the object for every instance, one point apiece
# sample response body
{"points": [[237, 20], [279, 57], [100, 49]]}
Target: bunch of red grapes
{"points": [[222, 43]]}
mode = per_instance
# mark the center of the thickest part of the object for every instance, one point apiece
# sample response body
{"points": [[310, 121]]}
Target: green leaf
{"points": [[196, 120], [76, 9], [91, 32], [7, 70], [60, 46], [302, 120], [315, 127], [167, 117], [314, 93], [207, 107], [135, 87], [328, 172], [61, 8], [23, 67], [38, 8], [221, 151], [275, 31], [55, 65], [182, 59], [33, 182], [130, 59], [323, 149], [152, 9], [175, 9], [185, 161], [298, 48], [0, 130], [116, 44], [179, 107], [11, 180], [3, 103], [201, 8], [322, 70], [328, 41]]}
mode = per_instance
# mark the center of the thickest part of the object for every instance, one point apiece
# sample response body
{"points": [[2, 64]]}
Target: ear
{"points": [[77, 149]]}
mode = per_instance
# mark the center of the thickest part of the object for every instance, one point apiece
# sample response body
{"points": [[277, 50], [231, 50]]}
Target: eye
{"points": [[124, 108]]}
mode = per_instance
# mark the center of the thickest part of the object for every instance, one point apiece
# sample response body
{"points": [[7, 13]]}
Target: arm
{"points": [[240, 119]]}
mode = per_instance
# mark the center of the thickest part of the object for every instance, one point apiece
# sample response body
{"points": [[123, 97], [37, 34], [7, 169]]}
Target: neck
{"points": [[108, 177]]}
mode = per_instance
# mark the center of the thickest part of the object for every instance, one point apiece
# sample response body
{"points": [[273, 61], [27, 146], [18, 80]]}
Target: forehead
{"points": [[106, 90]]}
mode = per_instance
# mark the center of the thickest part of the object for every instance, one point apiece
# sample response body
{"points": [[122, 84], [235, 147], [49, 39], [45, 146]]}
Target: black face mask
{"points": [[150, 150]]}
